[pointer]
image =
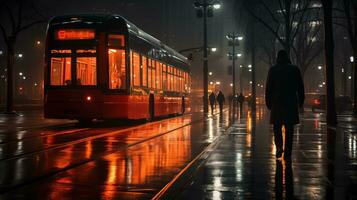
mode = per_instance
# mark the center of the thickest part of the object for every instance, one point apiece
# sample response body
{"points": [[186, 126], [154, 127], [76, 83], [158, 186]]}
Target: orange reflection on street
{"points": [[143, 163], [66, 159], [249, 122], [89, 149]]}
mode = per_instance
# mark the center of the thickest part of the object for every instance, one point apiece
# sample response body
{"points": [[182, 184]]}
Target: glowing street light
{"points": [[20, 74], [352, 59], [210, 73], [239, 55], [217, 6], [204, 9], [319, 67], [213, 49], [249, 66], [349, 77], [24, 77], [218, 83]]}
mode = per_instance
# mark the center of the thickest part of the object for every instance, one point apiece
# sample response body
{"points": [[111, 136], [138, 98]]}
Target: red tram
{"points": [[104, 67]]}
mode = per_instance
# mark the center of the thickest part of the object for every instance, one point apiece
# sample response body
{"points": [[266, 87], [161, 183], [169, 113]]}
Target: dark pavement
{"points": [[185, 157], [243, 164]]}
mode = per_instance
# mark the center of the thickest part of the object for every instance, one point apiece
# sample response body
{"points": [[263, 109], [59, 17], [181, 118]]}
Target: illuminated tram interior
{"points": [[84, 61]]}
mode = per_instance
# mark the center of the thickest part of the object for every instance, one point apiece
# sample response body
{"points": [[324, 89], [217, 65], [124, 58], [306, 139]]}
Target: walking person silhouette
{"points": [[221, 100], [284, 95], [212, 101]]}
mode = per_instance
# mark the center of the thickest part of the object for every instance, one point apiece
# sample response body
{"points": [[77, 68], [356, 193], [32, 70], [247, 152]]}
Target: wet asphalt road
{"points": [[102, 161], [58, 159]]}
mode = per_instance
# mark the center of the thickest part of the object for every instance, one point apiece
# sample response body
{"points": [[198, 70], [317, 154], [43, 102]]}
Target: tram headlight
{"points": [[89, 98]]}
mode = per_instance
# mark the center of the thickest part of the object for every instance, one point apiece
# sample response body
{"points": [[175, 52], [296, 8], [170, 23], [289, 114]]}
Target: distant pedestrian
{"points": [[221, 100], [212, 100], [240, 101], [284, 95]]}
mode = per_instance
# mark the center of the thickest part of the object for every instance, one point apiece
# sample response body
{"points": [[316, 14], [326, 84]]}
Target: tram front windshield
{"points": [[70, 65]]}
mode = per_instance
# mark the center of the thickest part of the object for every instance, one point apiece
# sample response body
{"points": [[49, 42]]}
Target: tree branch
{"points": [[29, 25], [3, 32]]}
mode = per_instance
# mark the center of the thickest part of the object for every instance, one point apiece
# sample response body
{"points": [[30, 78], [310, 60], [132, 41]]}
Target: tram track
{"points": [[97, 156], [87, 133]]}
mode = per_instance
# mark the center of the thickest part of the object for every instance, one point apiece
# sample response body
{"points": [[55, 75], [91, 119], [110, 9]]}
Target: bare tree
{"points": [[295, 24], [331, 118], [15, 17], [282, 18], [308, 43], [350, 11]]}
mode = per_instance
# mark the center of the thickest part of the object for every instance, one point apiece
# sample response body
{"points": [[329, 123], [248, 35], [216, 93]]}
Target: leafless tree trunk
{"points": [[16, 16], [329, 60]]}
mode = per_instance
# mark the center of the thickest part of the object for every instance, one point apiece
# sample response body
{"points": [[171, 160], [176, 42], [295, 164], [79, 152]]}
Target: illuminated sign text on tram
{"points": [[75, 34]]}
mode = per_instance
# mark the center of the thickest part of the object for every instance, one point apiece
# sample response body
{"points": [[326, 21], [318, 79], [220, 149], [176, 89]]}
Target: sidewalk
{"points": [[243, 165]]}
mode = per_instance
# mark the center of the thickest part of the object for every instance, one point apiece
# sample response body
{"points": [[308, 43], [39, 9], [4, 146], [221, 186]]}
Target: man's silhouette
{"points": [[212, 100], [284, 95], [240, 100], [220, 99]]}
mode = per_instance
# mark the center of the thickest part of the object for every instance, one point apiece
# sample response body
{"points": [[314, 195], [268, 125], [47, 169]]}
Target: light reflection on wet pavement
{"points": [[136, 162], [243, 165]]}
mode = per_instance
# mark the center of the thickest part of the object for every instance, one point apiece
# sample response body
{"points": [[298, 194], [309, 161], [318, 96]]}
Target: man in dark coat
{"points": [[220, 99], [240, 100], [212, 100], [284, 95]]}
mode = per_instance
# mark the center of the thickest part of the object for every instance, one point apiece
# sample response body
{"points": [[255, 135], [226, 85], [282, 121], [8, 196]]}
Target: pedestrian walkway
{"points": [[243, 164]]}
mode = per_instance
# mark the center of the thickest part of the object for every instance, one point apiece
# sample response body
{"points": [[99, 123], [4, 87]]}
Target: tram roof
{"points": [[132, 29]]}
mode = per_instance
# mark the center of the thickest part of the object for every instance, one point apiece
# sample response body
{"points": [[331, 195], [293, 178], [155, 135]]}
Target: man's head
{"points": [[283, 57]]}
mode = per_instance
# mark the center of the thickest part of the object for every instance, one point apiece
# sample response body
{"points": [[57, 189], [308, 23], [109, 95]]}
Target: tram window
{"points": [[86, 71], [117, 77], [144, 70], [175, 80], [164, 78], [61, 71], [115, 40], [136, 69], [178, 80], [149, 74], [153, 64], [169, 78], [159, 75]]}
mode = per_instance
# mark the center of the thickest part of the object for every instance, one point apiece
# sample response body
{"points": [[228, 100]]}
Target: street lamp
{"points": [[213, 49], [204, 9], [210, 73], [233, 40], [319, 67], [350, 77]]}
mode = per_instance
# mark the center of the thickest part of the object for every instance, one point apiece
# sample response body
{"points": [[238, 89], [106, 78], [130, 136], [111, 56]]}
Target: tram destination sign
{"points": [[74, 34]]}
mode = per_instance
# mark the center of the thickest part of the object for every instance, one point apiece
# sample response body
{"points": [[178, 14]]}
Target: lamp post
{"points": [[353, 89], [205, 9], [343, 81], [233, 40]]}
